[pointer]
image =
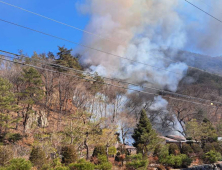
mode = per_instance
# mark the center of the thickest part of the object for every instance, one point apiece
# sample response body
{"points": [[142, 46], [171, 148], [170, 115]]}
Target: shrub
{"points": [[186, 149], [217, 147], [196, 148], [47, 167], [136, 157], [208, 147], [19, 164], [62, 168], [13, 137], [139, 165], [212, 157], [157, 150], [136, 162], [103, 163], [174, 149], [50, 167], [37, 157], [82, 164], [163, 154], [186, 161], [111, 151], [56, 162], [177, 161], [69, 154], [6, 154], [104, 166], [99, 150], [102, 159]]}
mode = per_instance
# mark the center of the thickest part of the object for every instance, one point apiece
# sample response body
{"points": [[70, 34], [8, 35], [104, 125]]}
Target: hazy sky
{"points": [[204, 33]]}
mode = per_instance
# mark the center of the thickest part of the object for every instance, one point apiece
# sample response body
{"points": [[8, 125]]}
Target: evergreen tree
{"points": [[66, 59], [204, 132], [7, 105], [31, 92], [37, 157], [144, 136], [69, 154], [99, 150]]}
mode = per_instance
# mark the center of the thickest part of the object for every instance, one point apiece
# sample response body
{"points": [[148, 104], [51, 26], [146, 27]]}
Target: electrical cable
{"points": [[85, 46], [118, 80], [110, 84], [204, 11], [76, 28]]}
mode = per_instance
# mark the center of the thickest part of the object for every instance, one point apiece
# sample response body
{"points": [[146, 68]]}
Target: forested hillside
{"points": [[55, 112]]}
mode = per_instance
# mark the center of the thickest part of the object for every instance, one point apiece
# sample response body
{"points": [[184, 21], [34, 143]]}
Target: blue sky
{"points": [[13, 38]]}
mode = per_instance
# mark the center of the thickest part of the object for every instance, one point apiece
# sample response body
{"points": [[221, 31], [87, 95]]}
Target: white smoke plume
{"points": [[141, 29], [159, 104]]}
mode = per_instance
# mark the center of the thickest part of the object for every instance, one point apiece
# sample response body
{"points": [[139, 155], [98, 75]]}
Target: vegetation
{"points": [[112, 151], [212, 157], [136, 162], [99, 150], [68, 154], [82, 164], [7, 104], [18, 164], [60, 118], [176, 161], [6, 154], [186, 149], [103, 163], [144, 135], [37, 157], [174, 149]]}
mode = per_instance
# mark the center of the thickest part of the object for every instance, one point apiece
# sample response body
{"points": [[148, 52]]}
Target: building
{"points": [[179, 140]]}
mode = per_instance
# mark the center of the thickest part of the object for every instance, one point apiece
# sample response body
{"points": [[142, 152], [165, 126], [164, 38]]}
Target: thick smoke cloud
{"points": [[141, 31]]}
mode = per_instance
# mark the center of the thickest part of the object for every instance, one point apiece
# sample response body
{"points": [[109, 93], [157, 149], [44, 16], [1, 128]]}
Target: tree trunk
{"points": [[107, 151], [60, 104], [16, 126], [86, 146]]}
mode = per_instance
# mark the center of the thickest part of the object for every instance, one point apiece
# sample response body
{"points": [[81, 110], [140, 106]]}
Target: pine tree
{"points": [[69, 154], [7, 105], [37, 157], [66, 59], [31, 92], [144, 136]]}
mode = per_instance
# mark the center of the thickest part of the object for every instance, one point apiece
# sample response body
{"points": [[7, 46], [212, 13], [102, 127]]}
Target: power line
{"points": [[186, 101], [21, 63], [110, 84], [76, 28], [85, 46], [163, 91], [204, 11], [68, 25], [118, 80], [91, 48], [109, 39]]}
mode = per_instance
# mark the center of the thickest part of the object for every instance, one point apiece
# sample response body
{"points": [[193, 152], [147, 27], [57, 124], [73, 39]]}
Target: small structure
{"points": [[130, 149], [179, 140]]}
